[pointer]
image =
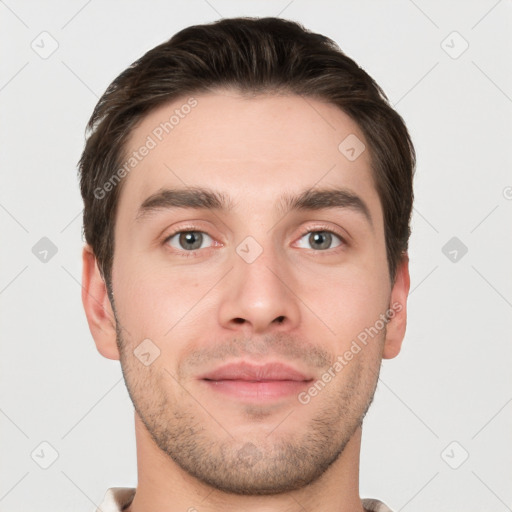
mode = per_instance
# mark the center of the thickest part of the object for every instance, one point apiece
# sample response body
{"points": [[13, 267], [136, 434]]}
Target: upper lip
{"points": [[251, 372]]}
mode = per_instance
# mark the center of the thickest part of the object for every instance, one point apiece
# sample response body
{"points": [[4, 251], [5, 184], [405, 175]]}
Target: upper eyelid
{"points": [[325, 228], [189, 229]]}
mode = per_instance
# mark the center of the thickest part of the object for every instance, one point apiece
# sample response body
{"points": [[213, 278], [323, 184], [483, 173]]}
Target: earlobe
{"points": [[395, 330], [98, 309]]}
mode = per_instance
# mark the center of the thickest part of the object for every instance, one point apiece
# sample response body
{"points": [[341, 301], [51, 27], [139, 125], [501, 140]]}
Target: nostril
{"points": [[239, 320]]}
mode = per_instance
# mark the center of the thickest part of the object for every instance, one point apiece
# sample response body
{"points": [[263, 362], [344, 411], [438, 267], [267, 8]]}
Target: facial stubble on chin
{"points": [[198, 442]]}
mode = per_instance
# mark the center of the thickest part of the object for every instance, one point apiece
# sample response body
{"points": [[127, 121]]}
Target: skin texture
{"points": [[294, 303]]}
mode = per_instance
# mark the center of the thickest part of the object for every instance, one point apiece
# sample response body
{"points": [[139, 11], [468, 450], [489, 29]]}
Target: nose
{"points": [[258, 296]]}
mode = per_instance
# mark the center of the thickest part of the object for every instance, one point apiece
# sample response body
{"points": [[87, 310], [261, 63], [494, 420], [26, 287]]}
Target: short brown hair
{"points": [[252, 55]]}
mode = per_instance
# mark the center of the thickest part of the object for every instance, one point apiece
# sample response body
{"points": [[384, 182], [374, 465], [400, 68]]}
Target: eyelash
{"points": [[189, 229]]}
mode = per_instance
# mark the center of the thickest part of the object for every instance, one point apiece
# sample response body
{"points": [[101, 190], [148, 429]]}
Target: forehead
{"points": [[253, 148]]}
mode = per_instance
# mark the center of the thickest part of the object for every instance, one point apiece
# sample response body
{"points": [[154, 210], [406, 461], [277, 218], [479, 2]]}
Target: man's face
{"points": [[251, 284]]}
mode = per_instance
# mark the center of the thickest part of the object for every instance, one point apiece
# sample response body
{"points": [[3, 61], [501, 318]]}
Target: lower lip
{"points": [[258, 391]]}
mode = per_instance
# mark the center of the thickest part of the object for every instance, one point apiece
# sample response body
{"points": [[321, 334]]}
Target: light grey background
{"points": [[452, 380]]}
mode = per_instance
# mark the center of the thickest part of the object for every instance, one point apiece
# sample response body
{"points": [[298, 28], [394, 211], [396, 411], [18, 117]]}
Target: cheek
{"points": [[347, 299], [152, 300], [138, 300], [355, 319]]}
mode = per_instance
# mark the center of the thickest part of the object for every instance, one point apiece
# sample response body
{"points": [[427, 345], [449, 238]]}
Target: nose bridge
{"points": [[258, 293]]}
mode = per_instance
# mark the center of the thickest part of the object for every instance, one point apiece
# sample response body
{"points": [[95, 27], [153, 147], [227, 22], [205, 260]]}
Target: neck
{"points": [[163, 485]]}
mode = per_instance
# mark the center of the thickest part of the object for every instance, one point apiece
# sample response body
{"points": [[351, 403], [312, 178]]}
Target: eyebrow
{"points": [[203, 198]]}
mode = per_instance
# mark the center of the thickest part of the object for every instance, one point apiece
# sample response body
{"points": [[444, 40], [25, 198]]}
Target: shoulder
{"points": [[373, 505], [116, 499]]}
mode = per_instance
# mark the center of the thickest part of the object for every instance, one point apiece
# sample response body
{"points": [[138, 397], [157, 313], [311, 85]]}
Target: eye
{"points": [[321, 239], [187, 240]]}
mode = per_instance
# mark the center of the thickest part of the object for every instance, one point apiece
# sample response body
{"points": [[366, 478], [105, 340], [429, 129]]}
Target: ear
{"points": [[395, 330], [98, 309]]}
